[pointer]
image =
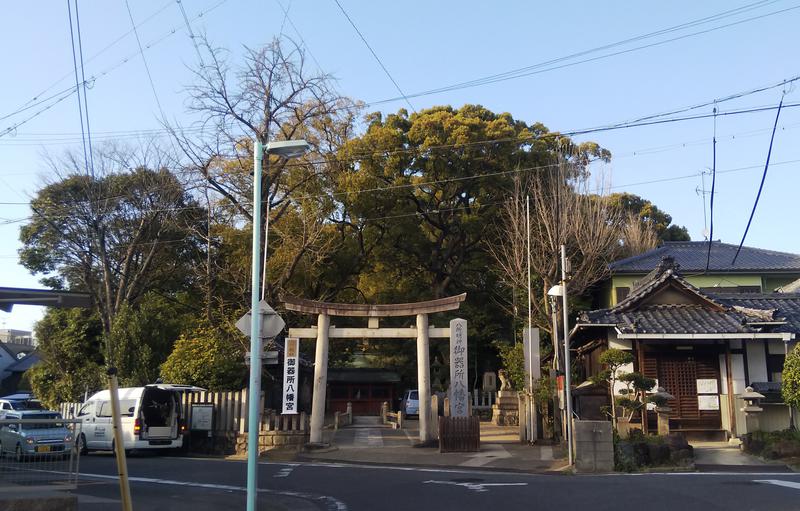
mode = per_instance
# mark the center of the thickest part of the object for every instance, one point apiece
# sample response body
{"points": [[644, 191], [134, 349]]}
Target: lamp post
{"points": [[561, 290], [286, 149]]}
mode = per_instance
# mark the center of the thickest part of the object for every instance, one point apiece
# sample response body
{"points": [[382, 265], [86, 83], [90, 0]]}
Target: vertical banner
{"points": [[459, 393], [290, 375]]}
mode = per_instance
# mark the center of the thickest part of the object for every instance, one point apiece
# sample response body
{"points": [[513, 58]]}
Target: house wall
{"points": [[697, 281], [770, 283], [756, 361]]}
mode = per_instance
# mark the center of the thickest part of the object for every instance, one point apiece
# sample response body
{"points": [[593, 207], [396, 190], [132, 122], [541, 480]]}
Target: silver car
{"points": [[31, 440]]}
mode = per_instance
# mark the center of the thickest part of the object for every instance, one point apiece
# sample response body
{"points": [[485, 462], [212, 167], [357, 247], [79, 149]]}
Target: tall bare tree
{"points": [[563, 210], [272, 95]]}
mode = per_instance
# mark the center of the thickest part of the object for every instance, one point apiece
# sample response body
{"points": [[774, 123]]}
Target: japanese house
{"points": [[703, 335]]}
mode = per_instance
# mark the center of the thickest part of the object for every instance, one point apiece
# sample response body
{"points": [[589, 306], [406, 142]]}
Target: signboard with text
{"points": [[290, 375], [459, 390]]}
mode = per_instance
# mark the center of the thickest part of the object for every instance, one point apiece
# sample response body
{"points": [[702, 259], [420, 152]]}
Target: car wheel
{"points": [[18, 456], [81, 445]]}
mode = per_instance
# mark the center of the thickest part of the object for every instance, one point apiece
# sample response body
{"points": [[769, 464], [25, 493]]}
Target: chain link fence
{"points": [[37, 452]]}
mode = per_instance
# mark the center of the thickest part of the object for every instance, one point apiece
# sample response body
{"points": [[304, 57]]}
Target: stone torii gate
{"points": [[324, 331]]}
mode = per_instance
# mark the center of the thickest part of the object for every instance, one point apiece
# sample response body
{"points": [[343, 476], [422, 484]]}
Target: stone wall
{"points": [[273, 439], [594, 446]]}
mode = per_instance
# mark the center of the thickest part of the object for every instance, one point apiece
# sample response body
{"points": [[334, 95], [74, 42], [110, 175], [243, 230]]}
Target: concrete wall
{"points": [[594, 446]]}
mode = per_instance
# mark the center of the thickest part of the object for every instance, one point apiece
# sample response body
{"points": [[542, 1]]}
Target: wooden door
{"points": [[678, 374]]}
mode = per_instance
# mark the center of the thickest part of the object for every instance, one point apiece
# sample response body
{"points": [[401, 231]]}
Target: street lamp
{"points": [[561, 290], [286, 149]]}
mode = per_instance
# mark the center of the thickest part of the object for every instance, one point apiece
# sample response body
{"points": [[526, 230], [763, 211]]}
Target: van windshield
{"points": [[413, 395]]}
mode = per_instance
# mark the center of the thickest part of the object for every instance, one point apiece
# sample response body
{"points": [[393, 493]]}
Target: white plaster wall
{"points": [[737, 364], [756, 361], [776, 347]]}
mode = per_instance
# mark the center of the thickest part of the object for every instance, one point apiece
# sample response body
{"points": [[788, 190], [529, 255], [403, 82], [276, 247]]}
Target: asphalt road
{"points": [[169, 483]]}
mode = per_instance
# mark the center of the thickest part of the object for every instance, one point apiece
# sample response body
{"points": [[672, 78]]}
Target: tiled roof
{"points": [[786, 307], [709, 314], [692, 255], [668, 319]]}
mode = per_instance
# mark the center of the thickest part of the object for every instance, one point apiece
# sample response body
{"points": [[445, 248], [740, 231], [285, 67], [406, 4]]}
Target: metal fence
{"points": [[38, 454]]}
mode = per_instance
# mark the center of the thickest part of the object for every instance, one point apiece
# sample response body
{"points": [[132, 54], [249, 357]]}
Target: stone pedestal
{"points": [[505, 411], [663, 419]]}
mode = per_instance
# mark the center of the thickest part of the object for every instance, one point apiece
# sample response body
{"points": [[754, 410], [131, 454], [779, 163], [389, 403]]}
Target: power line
{"points": [[85, 96], [144, 60], [380, 63], [542, 66], [64, 94], [75, 66], [191, 33], [761, 186], [36, 98]]}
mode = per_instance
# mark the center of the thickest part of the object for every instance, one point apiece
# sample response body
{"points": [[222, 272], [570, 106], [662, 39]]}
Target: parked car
{"points": [[410, 403], [35, 440], [151, 418], [18, 402]]}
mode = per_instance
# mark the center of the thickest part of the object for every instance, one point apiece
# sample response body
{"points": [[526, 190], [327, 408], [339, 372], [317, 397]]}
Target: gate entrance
{"points": [[324, 331]]}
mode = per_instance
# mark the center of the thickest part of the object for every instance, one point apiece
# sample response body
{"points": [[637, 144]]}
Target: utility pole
{"points": [[567, 364]]}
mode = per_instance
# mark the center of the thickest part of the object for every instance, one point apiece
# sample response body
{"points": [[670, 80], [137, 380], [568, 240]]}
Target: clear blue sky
{"points": [[426, 45]]}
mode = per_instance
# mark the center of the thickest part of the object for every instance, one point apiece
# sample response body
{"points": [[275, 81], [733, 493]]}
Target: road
{"points": [[171, 483]]}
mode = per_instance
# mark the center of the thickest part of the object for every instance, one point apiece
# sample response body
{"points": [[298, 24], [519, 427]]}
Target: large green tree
{"points": [[650, 214], [72, 350]]}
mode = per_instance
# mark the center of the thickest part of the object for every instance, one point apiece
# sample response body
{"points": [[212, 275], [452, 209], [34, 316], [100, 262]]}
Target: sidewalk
{"points": [[367, 442], [722, 457]]}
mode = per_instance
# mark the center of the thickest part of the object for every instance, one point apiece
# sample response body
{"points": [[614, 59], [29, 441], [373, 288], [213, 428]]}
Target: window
{"points": [[731, 289], [104, 409], [775, 367], [622, 293], [86, 409], [127, 407]]}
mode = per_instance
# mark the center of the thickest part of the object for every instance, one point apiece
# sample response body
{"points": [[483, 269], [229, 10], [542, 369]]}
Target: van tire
{"points": [[81, 447]]}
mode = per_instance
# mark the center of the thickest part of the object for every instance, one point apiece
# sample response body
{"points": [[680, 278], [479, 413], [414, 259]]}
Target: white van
{"points": [[151, 418]]}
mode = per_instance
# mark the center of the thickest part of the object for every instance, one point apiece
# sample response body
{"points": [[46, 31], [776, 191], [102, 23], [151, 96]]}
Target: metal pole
{"points": [[119, 443], [254, 399], [567, 365], [531, 411], [266, 233]]}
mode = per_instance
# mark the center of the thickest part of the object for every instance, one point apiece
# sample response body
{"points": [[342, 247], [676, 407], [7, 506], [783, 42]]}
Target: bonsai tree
{"points": [[634, 397], [613, 359]]}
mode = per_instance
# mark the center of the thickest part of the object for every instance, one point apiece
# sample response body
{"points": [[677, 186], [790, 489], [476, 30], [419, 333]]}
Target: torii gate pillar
{"points": [[423, 377], [320, 379]]}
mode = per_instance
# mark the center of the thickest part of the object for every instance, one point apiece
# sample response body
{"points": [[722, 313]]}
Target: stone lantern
{"points": [[752, 408], [661, 398]]}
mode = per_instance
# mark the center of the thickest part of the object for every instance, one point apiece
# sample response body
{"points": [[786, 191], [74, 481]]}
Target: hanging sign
{"points": [[459, 393], [290, 375]]}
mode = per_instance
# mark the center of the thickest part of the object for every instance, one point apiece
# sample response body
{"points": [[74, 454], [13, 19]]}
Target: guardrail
{"points": [[38, 454]]}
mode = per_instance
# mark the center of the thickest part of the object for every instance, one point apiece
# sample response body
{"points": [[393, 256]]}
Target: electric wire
{"points": [[380, 63], [537, 69], [760, 186], [85, 96], [75, 66], [144, 60], [191, 34]]}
